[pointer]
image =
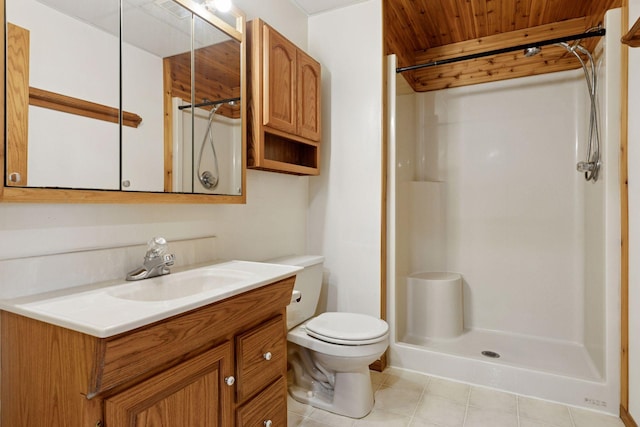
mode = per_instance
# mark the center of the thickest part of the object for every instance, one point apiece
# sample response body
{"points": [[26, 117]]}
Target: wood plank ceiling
{"points": [[421, 31]]}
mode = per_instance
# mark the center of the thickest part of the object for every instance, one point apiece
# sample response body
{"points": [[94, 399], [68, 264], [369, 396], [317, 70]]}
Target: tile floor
{"points": [[408, 399]]}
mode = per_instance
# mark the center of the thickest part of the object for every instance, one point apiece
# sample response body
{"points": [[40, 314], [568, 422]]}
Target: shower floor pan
{"points": [[522, 351]]}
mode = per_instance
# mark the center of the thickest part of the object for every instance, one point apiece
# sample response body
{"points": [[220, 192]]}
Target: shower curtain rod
{"points": [[596, 33], [208, 103]]}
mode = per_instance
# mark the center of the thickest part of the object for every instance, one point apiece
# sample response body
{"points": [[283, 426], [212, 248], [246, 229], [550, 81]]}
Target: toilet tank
{"points": [[308, 282]]}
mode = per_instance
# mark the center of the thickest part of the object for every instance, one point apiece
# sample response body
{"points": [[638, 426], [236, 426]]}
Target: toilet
{"points": [[330, 354]]}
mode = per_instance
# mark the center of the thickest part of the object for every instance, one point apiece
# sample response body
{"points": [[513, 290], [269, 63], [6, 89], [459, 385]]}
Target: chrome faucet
{"points": [[156, 261]]}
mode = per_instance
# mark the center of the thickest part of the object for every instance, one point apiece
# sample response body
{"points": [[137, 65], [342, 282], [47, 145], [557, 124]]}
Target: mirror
{"points": [[130, 96]]}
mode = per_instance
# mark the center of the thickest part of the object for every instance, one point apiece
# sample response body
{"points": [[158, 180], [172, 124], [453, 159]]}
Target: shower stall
{"points": [[483, 184], [209, 161]]}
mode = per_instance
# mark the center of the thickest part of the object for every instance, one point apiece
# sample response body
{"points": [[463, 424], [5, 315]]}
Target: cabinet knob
{"points": [[229, 380], [15, 177], [268, 423], [267, 355]]}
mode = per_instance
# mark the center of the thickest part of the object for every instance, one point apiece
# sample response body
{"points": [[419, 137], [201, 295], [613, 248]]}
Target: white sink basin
{"points": [[180, 285], [104, 311]]}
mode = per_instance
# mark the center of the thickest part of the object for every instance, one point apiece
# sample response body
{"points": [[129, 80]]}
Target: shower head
{"points": [[532, 51]]}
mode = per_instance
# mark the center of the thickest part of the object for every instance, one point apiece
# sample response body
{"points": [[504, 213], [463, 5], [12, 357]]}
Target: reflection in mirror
{"points": [[150, 32], [209, 158], [51, 69], [73, 49]]}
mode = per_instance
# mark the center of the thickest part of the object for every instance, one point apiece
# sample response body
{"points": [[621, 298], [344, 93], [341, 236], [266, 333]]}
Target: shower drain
{"points": [[491, 354]]}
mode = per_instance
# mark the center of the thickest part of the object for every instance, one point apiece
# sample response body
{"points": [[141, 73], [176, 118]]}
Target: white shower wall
{"points": [[496, 197], [225, 132]]}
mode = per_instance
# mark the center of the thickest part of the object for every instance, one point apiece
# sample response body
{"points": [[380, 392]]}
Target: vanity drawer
{"points": [[261, 357], [270, 405], [145, 350]]}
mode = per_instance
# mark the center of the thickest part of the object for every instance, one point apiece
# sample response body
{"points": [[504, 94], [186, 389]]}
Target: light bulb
{"points": [[222, 5]]}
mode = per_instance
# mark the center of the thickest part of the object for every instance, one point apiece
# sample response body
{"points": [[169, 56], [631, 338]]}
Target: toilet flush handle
{"points": [[296, 296]]}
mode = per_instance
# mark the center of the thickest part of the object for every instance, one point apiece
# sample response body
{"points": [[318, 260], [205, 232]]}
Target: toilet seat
{"points": [[347, 328]]}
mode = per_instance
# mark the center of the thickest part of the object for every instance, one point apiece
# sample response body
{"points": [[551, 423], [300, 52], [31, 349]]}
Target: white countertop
{"points": [[115, 307]]}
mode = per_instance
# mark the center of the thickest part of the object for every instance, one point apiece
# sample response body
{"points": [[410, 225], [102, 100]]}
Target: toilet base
{"points": [[351, 396]]}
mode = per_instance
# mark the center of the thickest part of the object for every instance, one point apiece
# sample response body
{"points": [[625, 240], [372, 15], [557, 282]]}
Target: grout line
{"points": [[413, 414], [518, 409], [466, 408], [573, 423]]}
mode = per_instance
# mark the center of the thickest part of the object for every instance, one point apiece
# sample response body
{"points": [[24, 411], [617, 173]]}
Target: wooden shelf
{"points": [[292, 152], [67, 104], [632, 38]]}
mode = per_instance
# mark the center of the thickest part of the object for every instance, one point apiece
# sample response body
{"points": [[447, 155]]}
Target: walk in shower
{"points": [[483, 183]]}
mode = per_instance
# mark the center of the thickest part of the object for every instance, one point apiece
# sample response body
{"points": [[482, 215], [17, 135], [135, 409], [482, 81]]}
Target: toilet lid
{"points": [[347, 328]]}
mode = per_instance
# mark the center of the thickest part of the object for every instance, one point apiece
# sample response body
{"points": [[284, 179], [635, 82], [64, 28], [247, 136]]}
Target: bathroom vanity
{"points": [[220, 364]]}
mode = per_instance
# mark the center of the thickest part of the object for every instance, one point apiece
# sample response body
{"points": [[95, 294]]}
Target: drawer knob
{"points": [[229, 380], [267, 356], [268, 423]]}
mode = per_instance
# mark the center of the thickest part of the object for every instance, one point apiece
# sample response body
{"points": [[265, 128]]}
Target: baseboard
{"points": [[626, 418]]}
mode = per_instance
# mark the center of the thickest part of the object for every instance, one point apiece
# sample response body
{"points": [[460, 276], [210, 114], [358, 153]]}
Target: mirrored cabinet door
{"points": [[58, 82], [203, 115], [151, 33]]}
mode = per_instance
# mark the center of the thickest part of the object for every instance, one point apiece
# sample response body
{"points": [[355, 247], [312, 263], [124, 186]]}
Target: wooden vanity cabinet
{"points": [[223, 364], [284, 86], [191, 394]]}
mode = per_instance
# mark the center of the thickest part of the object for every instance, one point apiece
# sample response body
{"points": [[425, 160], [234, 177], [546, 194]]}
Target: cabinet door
{"points": [[191, 394], [309, 89], [279, 97]]}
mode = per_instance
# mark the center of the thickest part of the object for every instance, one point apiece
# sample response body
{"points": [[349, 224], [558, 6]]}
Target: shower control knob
{"points": [[268, 423], [229, 381], [267, 355]]}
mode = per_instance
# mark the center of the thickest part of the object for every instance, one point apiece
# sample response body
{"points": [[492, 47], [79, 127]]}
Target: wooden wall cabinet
{"points": [[220, 365], [284, 86]]}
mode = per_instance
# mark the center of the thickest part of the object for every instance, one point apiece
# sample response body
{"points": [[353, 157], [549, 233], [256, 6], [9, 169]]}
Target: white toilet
{"points": [[330, 354]]}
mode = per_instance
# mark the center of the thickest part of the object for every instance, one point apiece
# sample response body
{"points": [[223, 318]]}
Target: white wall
{"points": [[345, 200], [634, 226], [283, 15], [272, 223], [143, 94], [512, 201]]}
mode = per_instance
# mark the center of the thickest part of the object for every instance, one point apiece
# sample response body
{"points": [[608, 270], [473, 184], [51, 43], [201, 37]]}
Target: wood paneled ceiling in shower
{"points": [[422, 31]]}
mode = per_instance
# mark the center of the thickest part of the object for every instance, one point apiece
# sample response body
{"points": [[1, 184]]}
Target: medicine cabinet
{"points": [[124, 101]]}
